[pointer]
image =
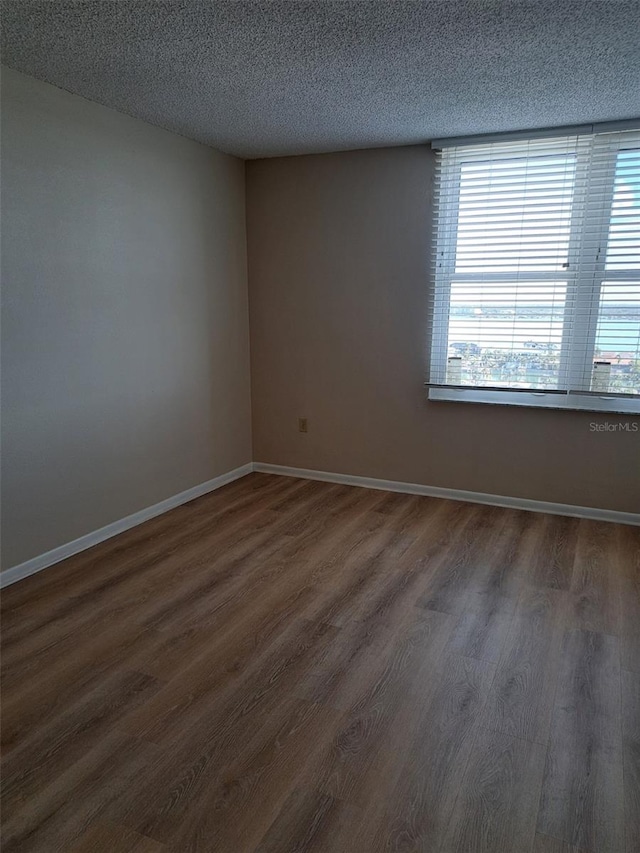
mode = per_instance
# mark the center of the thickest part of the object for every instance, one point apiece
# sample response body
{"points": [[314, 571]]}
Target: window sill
{"points": [[572, 402]]}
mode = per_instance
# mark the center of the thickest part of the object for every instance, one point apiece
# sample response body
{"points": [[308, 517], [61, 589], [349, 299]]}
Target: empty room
{"points": [[320, 426]]}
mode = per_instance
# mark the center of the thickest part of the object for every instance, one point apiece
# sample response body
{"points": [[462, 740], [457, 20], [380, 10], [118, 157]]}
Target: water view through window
{"points": [[517, 217]]}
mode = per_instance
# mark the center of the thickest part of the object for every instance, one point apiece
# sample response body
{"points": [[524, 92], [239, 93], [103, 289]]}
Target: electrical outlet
{"points": [[302, 425]]}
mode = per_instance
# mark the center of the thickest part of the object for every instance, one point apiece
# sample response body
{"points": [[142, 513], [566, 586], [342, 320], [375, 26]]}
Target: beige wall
{"points": [[125, 330], [125, 339], [338, 274]]}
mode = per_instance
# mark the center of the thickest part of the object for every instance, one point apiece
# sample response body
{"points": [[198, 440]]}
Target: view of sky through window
{"points": [[515, 217]]}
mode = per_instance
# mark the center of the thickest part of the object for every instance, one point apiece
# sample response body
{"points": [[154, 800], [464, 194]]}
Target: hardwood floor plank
{"points": [[627, 568], [631, 757], [400, 682], [482, 628], [414, 814], [582, 799], [545, 844], [61, 812], [119, 589], [595, 589], [257, 782], [303, 666], [522, 695], [54, 746], [109, 838], [459, 574], [553, 562], [587, 704], [498, 801], [309, 822], [47, 694], [251, 627], [398, 570], [94, 570], [207, 737], [505, 564], [489, 588]]}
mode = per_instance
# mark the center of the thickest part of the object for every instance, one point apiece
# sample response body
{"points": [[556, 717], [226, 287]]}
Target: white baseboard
{"points": [[43, 561], [453, 494]]}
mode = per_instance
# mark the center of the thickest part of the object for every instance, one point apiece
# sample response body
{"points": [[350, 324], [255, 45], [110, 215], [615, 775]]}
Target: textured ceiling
{"points": [[259, 79]]}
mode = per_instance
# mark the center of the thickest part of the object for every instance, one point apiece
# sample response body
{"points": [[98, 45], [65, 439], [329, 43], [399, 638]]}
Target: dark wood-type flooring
{"points": [[285, 666]]}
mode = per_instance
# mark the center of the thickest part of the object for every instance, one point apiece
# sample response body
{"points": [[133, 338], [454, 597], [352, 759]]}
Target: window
{"points": [[537, 279]]}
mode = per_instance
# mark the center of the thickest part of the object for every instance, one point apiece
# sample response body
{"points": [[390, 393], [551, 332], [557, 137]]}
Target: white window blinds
{"points": [[537, 279]]}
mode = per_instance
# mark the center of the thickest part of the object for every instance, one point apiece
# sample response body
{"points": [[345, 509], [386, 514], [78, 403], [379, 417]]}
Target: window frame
{"points": [[585, 275]]}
